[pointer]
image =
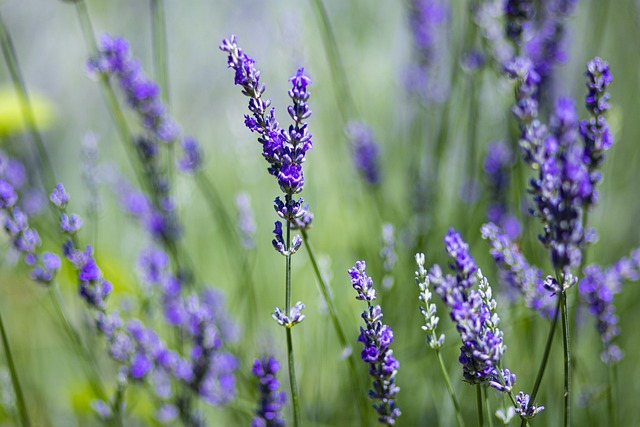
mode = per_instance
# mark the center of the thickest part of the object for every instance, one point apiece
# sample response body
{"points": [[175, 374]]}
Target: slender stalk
{"points": [[88, 362], [342, 91], [292, 368], [567, 359], [611, 395], [161, 69], [485, 391], [117, 406], [545, 358], [454, 400], [351, 358], [48, 178], [479, 403], [15, 381]]}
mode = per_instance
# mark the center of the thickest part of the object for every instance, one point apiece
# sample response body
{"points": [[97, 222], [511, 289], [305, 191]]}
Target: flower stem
{"points": [[48, 176], [545, 358], [611, 394], [486, 402], [479, 403], [290, 356], [351, 361], [454, 400], [15, 381], [567, 359]]}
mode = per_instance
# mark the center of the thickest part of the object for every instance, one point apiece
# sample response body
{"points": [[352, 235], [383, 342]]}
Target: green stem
{"points": [[343, 95], [292, 368], [545, 358], [567, 359], [15, 381], [452, 395], [161, 69], [351, 358], [611, 394], [88, 362], [479, 404], [11, 59], [485, 392]]}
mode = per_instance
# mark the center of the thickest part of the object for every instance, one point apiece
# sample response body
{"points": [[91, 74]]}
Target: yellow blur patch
{"points": [[120, 275], [11, 116]]}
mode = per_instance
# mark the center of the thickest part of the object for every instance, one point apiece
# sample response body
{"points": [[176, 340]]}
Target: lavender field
{"points": [[319, 213]]}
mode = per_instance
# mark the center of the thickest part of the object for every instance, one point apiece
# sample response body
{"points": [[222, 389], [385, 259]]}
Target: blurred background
{"points": [[376, 53]]}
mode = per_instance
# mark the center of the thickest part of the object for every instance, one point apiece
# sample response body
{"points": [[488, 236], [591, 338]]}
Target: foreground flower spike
{"points": [[428, 310], [473, 313], [376, 338], [269, 413], [525, 410]]}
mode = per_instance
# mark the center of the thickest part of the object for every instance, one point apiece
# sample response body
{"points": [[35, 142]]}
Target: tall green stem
{"points": [[344, 344], [611, 395], [452, 395], [11, 58], [479, 404], [485, 392], [567, 359], [15, 381], [292, 368], [545, 358]]}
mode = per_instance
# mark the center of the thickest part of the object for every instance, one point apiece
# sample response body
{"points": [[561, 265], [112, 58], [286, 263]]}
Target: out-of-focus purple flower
{"points": [[598, 288], [376, 338], [46, 270], [143, 95], [12, 170], [8, 195], [59, 196], [427, 21], [488, 15], [364, 150], [497, 165], [269, 412], [70, 223], [388, 254], [191, 160], [246, 223], [518, 14], [516, 271]]}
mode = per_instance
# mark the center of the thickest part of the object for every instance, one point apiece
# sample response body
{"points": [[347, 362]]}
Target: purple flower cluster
{"points": [[488, 16], [518, 16], [564, 185], [516, 272], [376, 338], [428, 310], [473, 312], [365, 151], [428, 20], [598, 288], [143, 96], [546, 46], [269, 413], [595, 131], [523, 408], [283, 149], [24, 239], [497, 165]]}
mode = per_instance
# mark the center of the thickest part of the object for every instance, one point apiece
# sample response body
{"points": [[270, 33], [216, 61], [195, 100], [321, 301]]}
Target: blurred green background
{"points": [[376, 49]]}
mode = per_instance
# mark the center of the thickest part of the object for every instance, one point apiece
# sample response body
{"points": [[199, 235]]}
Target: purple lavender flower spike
{"points": [[143, 95], [525, 410], [376, 338], [295, 315], [59, 197], [516, 272], [246, 222], [518, 15], [269, 413], [191, 161], [365, 151], [8, 196], [473, 313]]}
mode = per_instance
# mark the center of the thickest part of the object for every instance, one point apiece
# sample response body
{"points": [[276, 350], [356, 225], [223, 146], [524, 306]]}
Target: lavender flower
{"points": [[288, 321], [269, 413], [376, 338], [518, 14], [365, 151], [143, 95], [388, 255], [191, 161], [246, 223], [516, 272], [525, 410], [595, 131], [429, 309], [59, 197], [26, 240], [427, 21], [598, 288], [473, 312], [488, 16]]}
